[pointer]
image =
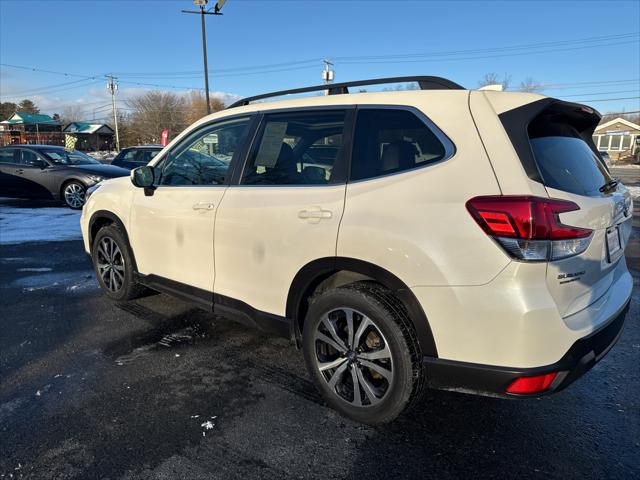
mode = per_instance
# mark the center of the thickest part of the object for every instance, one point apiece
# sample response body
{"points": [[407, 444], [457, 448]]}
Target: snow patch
{"points": [[208, 425], [18, 225], [634, 191], [72, 281], [626, 166]]}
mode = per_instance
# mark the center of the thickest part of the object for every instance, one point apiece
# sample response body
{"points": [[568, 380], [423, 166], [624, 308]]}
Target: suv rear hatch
{"points": [[561, 155]]}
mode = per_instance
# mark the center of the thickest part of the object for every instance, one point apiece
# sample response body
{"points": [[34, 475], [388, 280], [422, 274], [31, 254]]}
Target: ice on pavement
{"points": [[18, 225]]}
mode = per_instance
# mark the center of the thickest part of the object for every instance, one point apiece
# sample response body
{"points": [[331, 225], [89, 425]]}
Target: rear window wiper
{"points": [[609, 186]]}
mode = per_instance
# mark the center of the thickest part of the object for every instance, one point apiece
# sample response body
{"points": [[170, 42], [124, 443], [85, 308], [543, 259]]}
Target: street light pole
{"points": [[112, 86], [204, 55], [212, 11]]}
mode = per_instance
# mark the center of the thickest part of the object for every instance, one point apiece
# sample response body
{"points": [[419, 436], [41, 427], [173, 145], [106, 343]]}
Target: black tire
{"points": [[119, 283], [393, 330], [74, 194]]}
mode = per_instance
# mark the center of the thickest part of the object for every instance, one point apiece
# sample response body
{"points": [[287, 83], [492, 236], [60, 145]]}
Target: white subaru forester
{"points": [[440, 237]]}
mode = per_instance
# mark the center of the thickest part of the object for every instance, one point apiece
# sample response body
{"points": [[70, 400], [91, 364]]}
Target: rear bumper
{"points": [[493, 381]]}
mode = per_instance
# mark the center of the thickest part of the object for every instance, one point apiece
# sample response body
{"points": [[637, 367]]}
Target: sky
{"points": [[586, 51]]}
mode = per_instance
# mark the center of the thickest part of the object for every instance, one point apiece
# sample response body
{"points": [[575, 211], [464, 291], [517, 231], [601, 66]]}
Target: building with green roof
{"points": [[30, 128]]}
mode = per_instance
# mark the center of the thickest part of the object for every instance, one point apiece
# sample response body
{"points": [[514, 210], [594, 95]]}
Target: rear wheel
{"points": [[361, 353], [74, 194], [113, 263]]}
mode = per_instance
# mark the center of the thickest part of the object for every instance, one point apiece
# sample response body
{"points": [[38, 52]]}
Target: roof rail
{"points": [[425, 83]]}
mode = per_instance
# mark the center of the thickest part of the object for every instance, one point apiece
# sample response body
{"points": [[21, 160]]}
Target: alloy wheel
{"points": [[353, 357], [110, 263], [74, 195]]}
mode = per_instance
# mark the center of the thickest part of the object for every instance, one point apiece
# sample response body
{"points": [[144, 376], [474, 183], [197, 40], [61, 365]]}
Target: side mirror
{"points": [[144, 177]]}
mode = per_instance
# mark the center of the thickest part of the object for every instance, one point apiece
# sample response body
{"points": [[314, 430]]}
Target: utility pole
{"points": [[202, 12], [327, 74], [112, 86]]}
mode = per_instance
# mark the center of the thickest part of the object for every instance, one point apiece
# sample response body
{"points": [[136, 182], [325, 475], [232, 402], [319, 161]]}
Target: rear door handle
{"points": [[314, 214], [20, 171], [203, 206]]}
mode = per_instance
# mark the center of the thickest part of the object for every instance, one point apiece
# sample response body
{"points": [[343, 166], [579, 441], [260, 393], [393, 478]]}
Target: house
{"points": [[618, 137], [30, 128], [91, 136]]}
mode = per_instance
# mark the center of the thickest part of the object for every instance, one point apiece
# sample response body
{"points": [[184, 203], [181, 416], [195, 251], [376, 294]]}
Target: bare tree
{"points": [[196, 106], [632, 117], [72, 113], [530, 85], [155, 111], [493, 78]]}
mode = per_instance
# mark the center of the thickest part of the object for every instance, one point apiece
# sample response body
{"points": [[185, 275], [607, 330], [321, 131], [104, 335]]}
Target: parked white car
{"points": [[442, 237]]}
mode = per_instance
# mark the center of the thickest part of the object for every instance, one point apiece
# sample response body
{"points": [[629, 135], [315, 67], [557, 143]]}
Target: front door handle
{"points": [[314, 214], [203, 206], [20, 171]]}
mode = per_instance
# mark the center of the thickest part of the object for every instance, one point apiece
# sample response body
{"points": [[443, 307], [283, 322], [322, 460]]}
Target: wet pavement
{"points": [[156, 388]]}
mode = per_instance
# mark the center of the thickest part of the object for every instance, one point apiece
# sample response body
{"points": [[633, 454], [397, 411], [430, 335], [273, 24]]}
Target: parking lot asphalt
{"points": [[157, 388]]}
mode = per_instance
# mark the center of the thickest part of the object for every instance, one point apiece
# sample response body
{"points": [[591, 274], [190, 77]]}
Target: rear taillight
{"points": [[529, 228]]}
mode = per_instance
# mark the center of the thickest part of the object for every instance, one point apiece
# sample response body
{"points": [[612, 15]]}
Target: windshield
{"points": [[59, 156]]}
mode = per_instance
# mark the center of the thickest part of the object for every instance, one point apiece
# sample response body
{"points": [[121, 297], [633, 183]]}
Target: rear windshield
{"points": [[565, 160]]}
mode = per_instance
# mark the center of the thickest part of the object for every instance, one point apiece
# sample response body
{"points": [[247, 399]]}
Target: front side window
{"points": [[390, 141], [296, 148], [143, 156], [204, 157], [126, 156], [28, 157]]}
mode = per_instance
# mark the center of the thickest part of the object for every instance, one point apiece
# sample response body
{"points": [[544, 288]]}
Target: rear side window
{"points": [[565, 161], [296, 148], [390, 141], [6, 155]]}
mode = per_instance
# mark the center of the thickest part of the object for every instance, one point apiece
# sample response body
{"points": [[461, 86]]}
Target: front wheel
{"points": [[74, 194], [113, 264], [361, 353]]}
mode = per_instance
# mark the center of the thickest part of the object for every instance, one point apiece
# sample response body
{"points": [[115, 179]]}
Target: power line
{"points": [[604, 38], [621, 113], [47, 92], [599, 93], [35, 69], [366, 58], [480, 57], [391, 58], [608, 99], [35, 90], [223, 70]]}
